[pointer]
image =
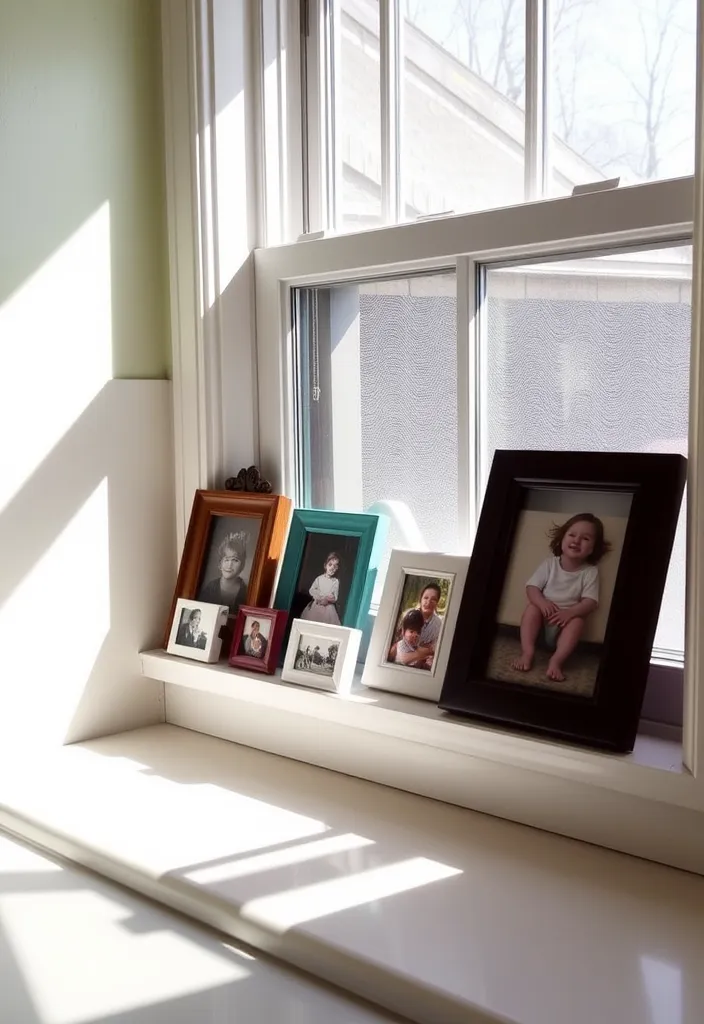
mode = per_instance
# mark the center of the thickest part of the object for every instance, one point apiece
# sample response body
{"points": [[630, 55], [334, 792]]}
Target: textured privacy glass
{"points": [[379, 404], [593, 355]]}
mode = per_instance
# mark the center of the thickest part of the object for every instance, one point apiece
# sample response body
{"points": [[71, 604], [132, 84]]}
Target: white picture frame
{"points": [[203, 644], [406, 573], [315, 642]]}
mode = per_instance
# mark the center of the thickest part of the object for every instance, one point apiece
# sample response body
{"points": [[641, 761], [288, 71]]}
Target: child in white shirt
{"points": [[562, 592]]}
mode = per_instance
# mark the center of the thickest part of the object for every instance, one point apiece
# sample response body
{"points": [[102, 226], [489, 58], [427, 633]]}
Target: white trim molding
{"points": [[210, 70]]}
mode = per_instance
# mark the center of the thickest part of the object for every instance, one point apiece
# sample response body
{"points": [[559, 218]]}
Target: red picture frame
{"points": [[269, 659]]}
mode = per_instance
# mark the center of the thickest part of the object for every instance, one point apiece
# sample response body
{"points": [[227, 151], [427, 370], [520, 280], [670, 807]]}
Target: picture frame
{"points": [[256, 524], [257, 655], [321, 656], [196, 630], [636, 497], [430, 584], [357, 540]]}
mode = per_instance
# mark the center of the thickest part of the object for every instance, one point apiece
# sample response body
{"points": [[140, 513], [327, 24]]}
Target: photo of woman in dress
{"points": [[324, 593], [324, 578]]}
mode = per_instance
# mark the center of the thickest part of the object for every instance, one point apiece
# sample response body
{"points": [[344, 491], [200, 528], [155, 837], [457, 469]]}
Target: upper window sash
{"points": [[550, 153]]}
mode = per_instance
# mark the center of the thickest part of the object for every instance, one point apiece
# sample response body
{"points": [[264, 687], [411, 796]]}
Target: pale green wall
{"points": [[81, 124]]}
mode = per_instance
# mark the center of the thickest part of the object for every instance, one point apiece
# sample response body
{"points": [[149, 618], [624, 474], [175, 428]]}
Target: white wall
{"points": [[86, 497]]}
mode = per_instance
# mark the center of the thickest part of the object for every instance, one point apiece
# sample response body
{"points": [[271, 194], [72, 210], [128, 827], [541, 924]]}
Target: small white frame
{"points": [[384, 675], [340, 681], [213, 617]]}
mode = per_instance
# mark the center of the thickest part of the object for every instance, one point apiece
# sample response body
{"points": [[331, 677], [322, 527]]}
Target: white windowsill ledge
{"points": [[418, 721], [440, 914]]}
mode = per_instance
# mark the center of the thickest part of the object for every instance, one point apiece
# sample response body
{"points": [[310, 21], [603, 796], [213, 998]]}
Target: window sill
{"points": [[432, 912], [654, 768]]}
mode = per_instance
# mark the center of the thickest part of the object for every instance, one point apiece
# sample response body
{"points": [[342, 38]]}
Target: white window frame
{"points": [[621, 802], [656, 213]]}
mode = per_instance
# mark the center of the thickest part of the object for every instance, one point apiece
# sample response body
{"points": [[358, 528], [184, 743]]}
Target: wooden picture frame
{"points": [[261, 519], [272, 626], [358, 538], [600, 705], [411, 574]]}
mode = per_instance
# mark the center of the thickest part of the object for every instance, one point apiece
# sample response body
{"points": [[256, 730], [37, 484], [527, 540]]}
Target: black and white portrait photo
{"points": [[197, 630], [255, 637], [228, 562], [325, 577], [316, 654], [190, 631]]}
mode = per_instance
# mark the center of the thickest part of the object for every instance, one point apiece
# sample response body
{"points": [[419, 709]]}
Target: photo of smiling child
{"points": [[556, 597], [562, 592]]}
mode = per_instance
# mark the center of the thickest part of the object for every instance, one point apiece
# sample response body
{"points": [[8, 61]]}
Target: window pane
{"points": [[358, 113], [623, 90], [463, 119], [378, 403], [593, 354]]}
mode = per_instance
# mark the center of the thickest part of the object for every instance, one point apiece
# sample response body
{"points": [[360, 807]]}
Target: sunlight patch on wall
{"points": [[56, 349], [233, 247], [283, 910], [53, 626], [80, 960]]}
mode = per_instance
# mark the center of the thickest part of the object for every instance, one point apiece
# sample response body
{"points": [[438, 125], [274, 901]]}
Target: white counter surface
{"points": [[432, 911], [74, 948]]}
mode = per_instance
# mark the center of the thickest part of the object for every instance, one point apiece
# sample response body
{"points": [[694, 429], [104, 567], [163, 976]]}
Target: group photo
{"points": [[419, 621]]}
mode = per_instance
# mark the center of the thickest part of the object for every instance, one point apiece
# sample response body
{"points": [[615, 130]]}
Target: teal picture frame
{"points": [[371, 531]]}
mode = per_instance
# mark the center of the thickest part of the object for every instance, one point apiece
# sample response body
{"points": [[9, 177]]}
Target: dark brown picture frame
{"points": [[607, 719], [273, 511]]}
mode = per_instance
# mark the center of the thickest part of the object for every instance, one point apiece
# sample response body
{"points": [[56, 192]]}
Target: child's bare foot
{"points": [[555, 671], [523, 664]]}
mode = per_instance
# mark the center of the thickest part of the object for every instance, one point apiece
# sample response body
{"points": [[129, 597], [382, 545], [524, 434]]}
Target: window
{"points": [[377, 418], [633, 238], [593, 354], [459, 105], [463, 123], [620, 109], [567, 351]]}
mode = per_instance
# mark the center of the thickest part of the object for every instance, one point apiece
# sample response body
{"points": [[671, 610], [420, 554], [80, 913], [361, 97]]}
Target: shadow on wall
{"points": [[88, 563], [85, 489]]}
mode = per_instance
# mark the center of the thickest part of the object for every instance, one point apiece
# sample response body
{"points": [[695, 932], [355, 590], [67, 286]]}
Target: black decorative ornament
{"points": [[249, 480]]}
